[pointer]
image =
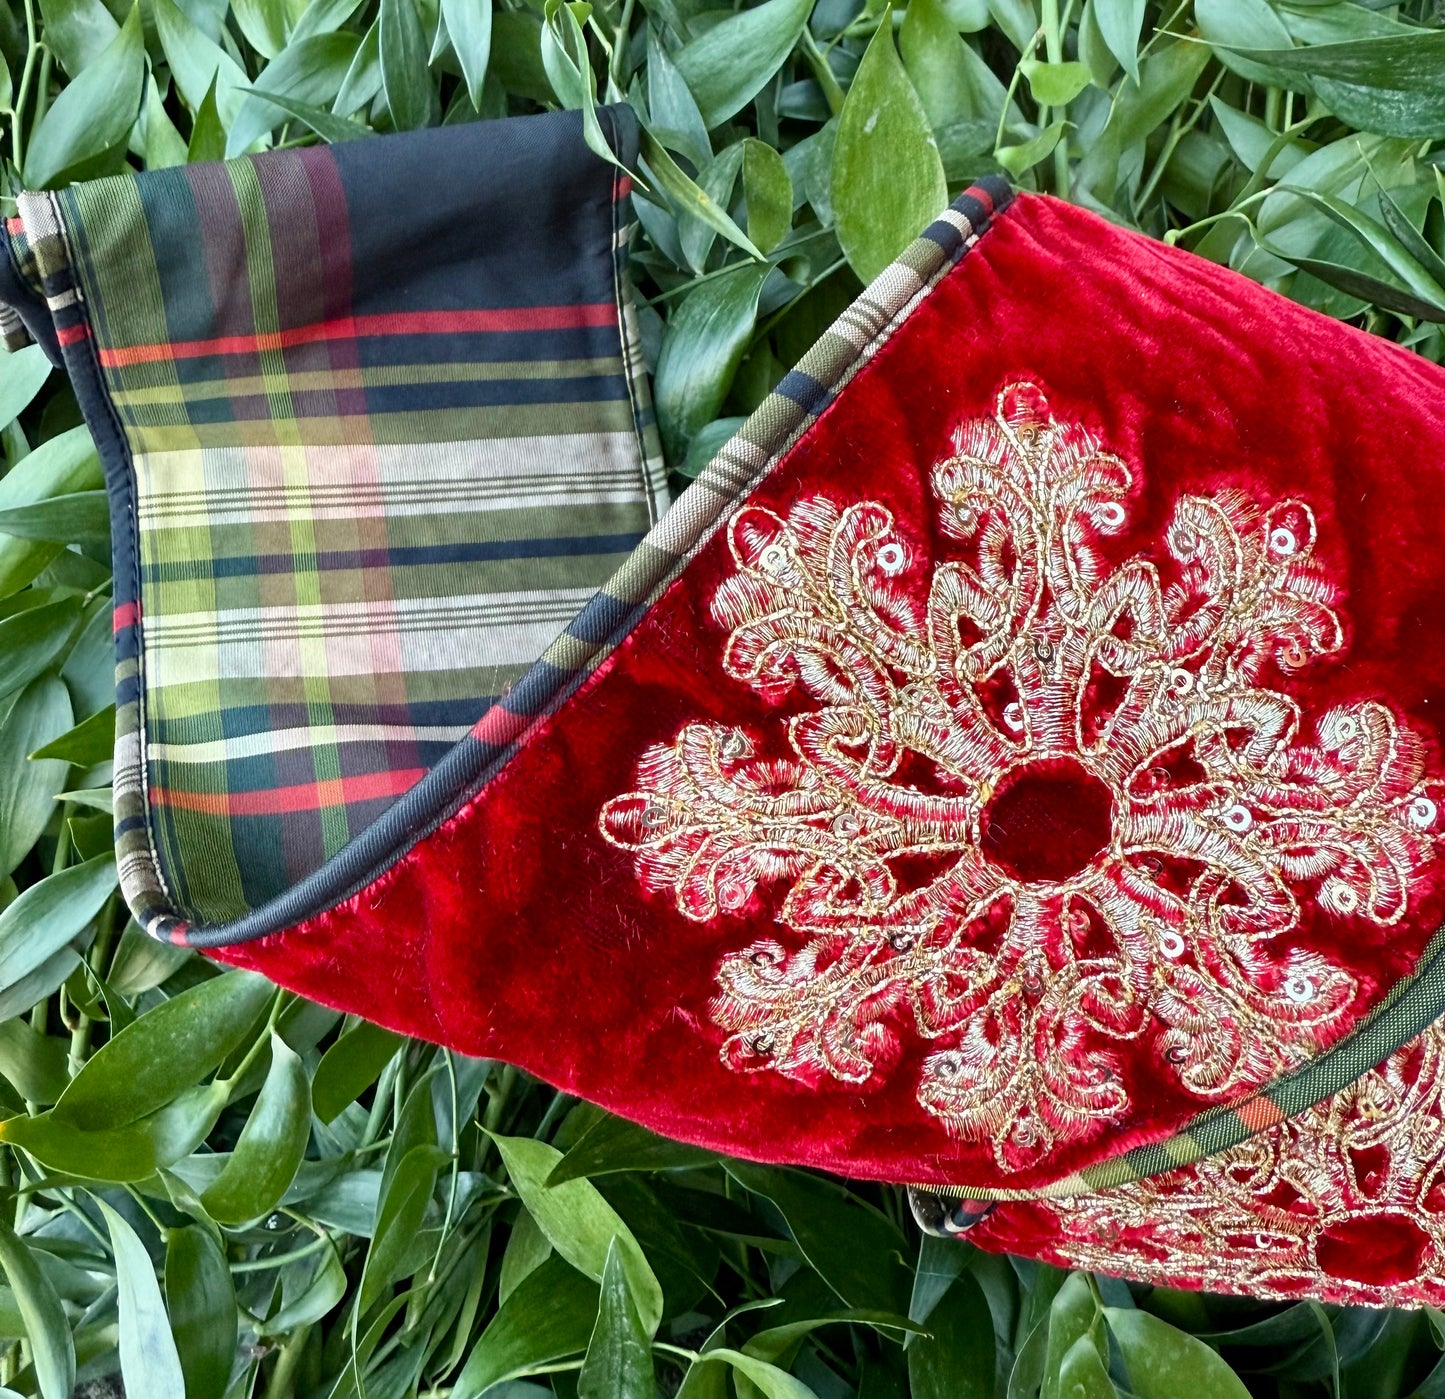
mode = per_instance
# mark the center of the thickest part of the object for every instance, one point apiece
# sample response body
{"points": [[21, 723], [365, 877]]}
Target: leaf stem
{"points": [[99, 964], [280, 1260], [288, 1361], [263, 1041], [822, 71], [1054, 52], [1013, 87], [17, 142]]}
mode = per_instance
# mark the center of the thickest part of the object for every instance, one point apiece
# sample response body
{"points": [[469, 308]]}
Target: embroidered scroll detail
{"points": [[1345, 1202], [912, 814]]}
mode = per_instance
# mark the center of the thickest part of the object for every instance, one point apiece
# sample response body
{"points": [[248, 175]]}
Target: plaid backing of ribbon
{"points": [[381, 432]]}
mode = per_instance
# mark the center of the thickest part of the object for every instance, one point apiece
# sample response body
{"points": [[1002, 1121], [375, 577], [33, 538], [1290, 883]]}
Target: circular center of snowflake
{"points": [[1047, 821]]}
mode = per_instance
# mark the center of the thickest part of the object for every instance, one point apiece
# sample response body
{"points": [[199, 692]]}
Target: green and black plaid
{"points": [[385, 434]]}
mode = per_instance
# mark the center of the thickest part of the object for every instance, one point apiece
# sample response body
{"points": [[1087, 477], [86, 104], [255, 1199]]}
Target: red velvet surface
{"points": [[1372, 1258], [516, 932]]}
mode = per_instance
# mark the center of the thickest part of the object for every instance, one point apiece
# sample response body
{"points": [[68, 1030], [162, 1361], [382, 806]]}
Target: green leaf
{"points": [[619, 1353], [1094, 51], [768, 189], [887, 176], [1055, 84], [579, 1222], [49, 913], [516, 57], [569, 70], [321, 17], [549, 1317], [130, 1153], [774, 1342], [1166, 78], [1390, 85], [701, 349], [202, 1305], [198, 63], [527, 1249], [1230, 25], [168, 1049], [706, 444], [688, 197], [1018, 19], [326, 1288], [142, 962], [93, 115], [82, 518], [615, 1144], [350, 1067], [853, 1248], [1084, 1372], [1027, 154], [161, 145], [966, 16], [51, 1348], [65, 464], [405, 79], [22, 375], [716, 181], [33, 639], [40, 984], [731, 63], [937, 61], [309, 72], [36, 1064], [77, 32], [403, 1207], [674, 117], [1120, 24], [939, 1262], [415, 1125], [1072, 1316], [149, 1363], [28, 788], [469, 23], [271, 1146], [363, 78], [92, 798], [88, 743], [956, 1359], [264, 23], [769, 1381], [327, 125], [1417, 280], [1411, 239], [1166, 1363]]}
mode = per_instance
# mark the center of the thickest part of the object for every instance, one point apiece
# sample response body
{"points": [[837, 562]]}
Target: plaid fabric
{"points": [[607, 618], [385, 432], [23, 314]]}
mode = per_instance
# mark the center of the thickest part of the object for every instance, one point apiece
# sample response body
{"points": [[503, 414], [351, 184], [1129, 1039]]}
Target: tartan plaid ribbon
{"points": [[376, 433]]}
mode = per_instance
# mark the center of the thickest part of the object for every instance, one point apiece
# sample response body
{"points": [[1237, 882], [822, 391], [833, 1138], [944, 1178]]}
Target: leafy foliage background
{"points": [[209, 1187]]}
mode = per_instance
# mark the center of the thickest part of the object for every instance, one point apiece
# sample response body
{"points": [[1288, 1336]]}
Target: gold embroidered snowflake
{"points": [[1034, 805], [1345, 1201]]}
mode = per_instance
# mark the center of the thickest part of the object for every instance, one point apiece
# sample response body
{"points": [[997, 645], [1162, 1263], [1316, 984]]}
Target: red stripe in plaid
{"points": [[127, 614], [305, 796], [355, 327], [500, 726], [69, 334]]}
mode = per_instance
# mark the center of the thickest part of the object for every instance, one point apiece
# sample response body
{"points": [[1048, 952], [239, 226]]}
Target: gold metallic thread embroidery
{"points": [[943, 711], [1362, 1170]]}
